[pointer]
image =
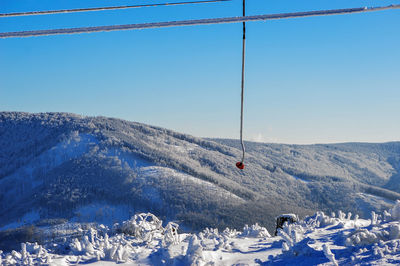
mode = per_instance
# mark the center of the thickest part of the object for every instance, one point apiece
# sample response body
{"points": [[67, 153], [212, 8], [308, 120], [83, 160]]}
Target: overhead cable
{"points": [[194, 22], [48, 12]]}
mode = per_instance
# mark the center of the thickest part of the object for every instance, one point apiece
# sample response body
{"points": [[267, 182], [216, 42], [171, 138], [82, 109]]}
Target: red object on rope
{"points": [[240, 165]]}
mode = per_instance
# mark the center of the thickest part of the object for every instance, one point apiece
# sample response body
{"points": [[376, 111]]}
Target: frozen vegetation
{"points": [[61, 170], [338, 239]]}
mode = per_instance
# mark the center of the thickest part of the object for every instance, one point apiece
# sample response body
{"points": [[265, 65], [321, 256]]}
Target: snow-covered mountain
{"points": [[57, 167]]}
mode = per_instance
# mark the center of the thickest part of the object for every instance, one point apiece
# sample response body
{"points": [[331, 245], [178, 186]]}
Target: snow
{"points": [[159, 172], [317, 240], [290, 216], [395, 211], [22, 181], [104, 213], [300, 179], [131, 160], [73, 146], [27, 218]]}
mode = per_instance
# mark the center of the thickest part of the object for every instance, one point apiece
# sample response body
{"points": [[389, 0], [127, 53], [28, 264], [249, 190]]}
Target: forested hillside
{"points": [[63, 166]]}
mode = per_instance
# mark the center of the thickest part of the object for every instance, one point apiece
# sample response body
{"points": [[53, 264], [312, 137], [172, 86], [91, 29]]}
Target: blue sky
{"points": [[308, 80]]}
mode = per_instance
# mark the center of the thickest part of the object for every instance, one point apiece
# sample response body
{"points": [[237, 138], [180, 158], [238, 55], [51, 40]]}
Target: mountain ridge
{"points": [[58, 163]]}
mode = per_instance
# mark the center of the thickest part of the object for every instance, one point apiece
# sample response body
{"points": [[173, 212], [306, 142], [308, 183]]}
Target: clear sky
{"points": [[308, 80]]}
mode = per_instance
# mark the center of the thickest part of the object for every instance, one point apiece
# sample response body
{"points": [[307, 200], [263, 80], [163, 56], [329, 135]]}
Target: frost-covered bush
{"points": [[320, 219], [209, 233], [194, 253], [291, 234], [382, 249], [375, 218], [211, 239], [328, 253], [394, 231], [94, 243], [255, 231], [362, 237], [171, 235], [30, 254], [395, 211], [374, 234], [143, 226], [230, 232]]}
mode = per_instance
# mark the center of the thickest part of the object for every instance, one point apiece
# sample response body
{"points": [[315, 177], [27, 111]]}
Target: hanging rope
{"points": [[240, 164], [32, 13]]}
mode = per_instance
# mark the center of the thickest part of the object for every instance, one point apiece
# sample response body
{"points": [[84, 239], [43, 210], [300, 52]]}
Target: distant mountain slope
{"points": [[58, 165]]}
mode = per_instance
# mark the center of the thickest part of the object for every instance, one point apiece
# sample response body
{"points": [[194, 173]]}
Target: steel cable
{"points": [[49, 12], [192, 22]]}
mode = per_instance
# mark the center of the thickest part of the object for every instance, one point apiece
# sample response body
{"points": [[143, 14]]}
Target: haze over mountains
{"points": [[85, 169]]}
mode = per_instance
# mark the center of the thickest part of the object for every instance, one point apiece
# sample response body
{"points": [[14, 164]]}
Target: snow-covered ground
{"points": [[338, 239]]}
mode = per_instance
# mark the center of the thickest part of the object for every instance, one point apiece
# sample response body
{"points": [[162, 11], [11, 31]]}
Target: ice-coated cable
{"points": [[20, 34], [50, 12]]}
